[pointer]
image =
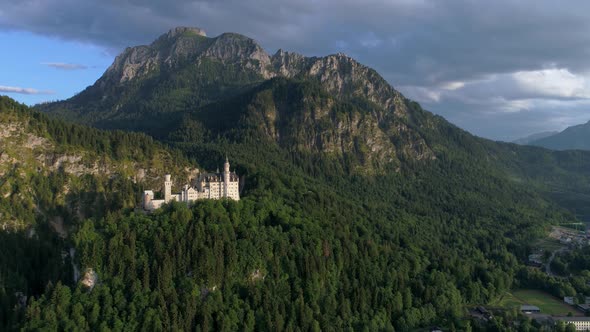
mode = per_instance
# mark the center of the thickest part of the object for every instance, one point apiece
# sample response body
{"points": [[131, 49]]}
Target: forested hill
{"points": [[308, 247], [54, 175], [360, 211]]}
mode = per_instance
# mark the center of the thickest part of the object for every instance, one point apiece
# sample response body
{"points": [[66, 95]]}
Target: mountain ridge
{"points": [[533, 137], [362, 211], [183, 71], [572, 138]]}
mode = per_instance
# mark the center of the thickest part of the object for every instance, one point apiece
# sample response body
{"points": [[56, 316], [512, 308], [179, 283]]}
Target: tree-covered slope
{"points": [[572, 138], [312, 244], [360, 210], [54, 175], [401, 250], [533, 137], [359, 137]]}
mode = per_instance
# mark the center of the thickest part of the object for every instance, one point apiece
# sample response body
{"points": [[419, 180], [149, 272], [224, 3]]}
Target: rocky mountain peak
{"points": [[180, 31], [184, 70]]}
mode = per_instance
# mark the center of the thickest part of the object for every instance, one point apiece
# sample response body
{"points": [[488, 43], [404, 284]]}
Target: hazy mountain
{"points": [[533, 137], [572, 138]]}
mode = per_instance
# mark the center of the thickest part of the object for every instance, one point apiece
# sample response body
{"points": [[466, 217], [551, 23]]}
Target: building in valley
{"points": [[581, 323], [207, 186]]}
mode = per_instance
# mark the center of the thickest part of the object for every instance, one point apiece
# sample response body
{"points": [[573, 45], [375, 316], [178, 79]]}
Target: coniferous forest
{"points": [[309, 247], [359, 210]]}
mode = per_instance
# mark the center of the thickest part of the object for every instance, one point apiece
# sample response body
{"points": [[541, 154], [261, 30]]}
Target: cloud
{"points": [[557, 83], [64, 66], [468, 60], [25, 91]]}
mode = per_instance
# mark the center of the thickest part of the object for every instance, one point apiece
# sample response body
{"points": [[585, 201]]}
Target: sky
{"points": [[501, 69]]}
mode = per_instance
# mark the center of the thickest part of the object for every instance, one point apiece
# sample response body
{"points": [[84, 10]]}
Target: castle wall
{"points": [[208, 186], [156, 204], [233, 190]]}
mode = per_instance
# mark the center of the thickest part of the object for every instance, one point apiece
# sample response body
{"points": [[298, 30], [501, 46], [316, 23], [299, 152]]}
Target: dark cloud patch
{"points": [[414, 42], [469, 60]]}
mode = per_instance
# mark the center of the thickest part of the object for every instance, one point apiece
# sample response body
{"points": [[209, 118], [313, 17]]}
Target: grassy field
{"points": [[547, 303], [548, 244]]}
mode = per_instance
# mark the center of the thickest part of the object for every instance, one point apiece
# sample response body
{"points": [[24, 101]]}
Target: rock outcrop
{"points": [[89, 279], [184, 70]]}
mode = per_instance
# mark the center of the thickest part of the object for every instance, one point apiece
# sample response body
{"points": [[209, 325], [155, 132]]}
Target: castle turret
{"points": [[226, 178], [148, 195], [167, 188]]}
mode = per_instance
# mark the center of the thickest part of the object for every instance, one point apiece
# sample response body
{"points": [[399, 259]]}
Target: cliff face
{"points": [[180, 46], [148, 88], [298, 117], [59, 172]]}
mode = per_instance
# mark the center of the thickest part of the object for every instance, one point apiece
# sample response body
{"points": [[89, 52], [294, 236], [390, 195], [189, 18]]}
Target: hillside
{"points": [[148, 87], [53, 176], [533, 137], [361, 210], [572, 138], [36, 148]]}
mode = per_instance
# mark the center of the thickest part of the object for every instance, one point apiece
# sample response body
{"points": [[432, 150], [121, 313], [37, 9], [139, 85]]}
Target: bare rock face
{"points": [[210, 67], [89, 279], [139, 175], [256, 275], [342, 76], [186, 44], [175, 32]]}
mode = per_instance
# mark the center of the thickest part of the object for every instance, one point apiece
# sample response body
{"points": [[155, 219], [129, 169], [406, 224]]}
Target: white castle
{"points": [[207, 186]]}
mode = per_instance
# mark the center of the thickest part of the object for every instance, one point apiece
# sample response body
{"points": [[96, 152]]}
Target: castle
{"points": [[207, 186]]}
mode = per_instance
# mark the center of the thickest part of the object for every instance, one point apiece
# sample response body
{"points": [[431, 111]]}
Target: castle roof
{"points": [[211, 177]]}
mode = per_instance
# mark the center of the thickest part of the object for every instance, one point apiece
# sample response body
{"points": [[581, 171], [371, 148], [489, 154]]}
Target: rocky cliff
{"points": [[57, 172], [151, 87]]}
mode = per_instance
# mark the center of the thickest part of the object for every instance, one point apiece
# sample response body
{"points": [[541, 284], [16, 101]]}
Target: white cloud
{"points": [[64, 66], [26, 91], [559, 83], [421, 93], [452, 85], [519, 105]]}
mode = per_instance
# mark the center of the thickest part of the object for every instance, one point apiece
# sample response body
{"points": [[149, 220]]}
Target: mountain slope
{"points": [[572, 138], [35, 148], [533, 137], [53, 176], [188, 87], [183, 71], [361, 210]]}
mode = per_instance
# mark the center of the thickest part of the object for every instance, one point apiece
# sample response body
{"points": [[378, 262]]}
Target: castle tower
{"points": [[226, 178], [147, 199], [167, 188]]}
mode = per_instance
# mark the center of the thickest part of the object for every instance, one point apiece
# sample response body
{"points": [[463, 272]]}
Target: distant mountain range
{"points": [[534, 137], [572, 138]]}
